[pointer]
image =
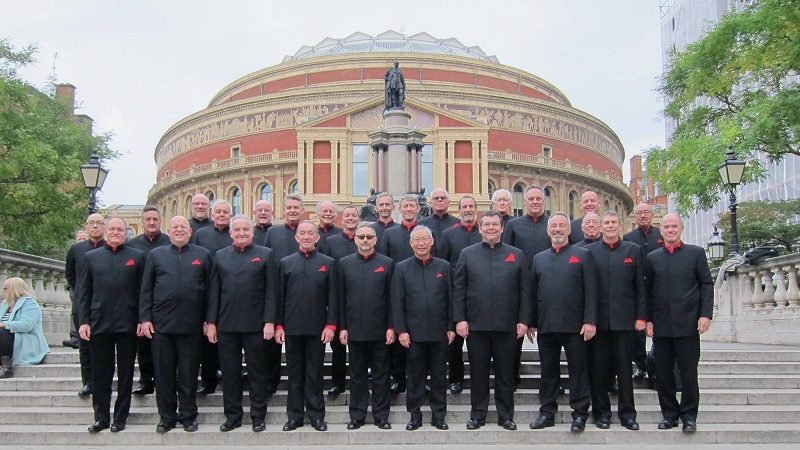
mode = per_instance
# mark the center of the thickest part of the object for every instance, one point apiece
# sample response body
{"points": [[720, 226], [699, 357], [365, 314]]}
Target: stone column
{"points": [[780, 289], [758, 294], [397, 139], [792, 292]]}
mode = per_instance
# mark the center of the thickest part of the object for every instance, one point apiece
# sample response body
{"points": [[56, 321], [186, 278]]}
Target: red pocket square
{"points": [[130, 263], [438, 275], [380, 269], [628, 261], [510, 258], [574, 260], [256, 259], [323, 269], [196, 262]]}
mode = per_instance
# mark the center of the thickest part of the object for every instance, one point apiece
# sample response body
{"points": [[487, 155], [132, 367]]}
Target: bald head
{"points": [[590, 202]]}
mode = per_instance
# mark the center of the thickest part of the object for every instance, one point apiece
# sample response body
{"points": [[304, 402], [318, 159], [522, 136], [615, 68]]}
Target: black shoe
{"points": [[71, 343], [613, 389], [603, 423], [455, 388], [631, 425], [578, 424], [508, 424], [383, 424], [689, 426], [336, 390], [543, 422], [474, 424], [85, 391], [190, 425], [397, 388], [144, 389], [258, 424], [440, 425], [319, 425], [229, 426], [413, 425], [163, 427], [668, 424], [117, 427], [639, 375], [98, 427], [292, 425], [206, 389], [354, 425], [271, 389]]}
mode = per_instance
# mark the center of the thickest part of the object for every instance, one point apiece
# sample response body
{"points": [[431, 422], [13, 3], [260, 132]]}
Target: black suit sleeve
{"points": [[534, 296], [398, 302], [86, 293], [146, 292], [706, 286], [214, 292], [333, 297], [272, 291], [525, 308], [460, 290], [590, 291]]}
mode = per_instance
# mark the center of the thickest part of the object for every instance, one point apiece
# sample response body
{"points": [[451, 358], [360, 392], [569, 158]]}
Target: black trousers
{"points": [[305, 356], [338, 363], [362, 354], [144, 353], [398, 364], [639, 345], [424, 358], [210, 365], [550, 345], [518, 362], [102, 348], [273, 354], [231, 346], [611, 351], [455, 360], [6, 343], [686, 352], [84, 355], [485, 348], [177, 363]]}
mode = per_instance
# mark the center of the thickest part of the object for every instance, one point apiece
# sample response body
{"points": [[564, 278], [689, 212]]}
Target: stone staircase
{"points": [[749, 394]]}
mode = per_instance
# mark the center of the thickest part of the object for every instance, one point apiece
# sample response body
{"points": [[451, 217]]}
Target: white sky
{"points": [[141, 66]]}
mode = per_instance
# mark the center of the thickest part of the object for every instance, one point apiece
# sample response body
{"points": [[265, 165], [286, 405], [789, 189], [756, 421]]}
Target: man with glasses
{"points": [[262, 216], [422, 300], [501, 203], [365, 326], [95, 227], [440, 220], [199, 207], [648, 238]]}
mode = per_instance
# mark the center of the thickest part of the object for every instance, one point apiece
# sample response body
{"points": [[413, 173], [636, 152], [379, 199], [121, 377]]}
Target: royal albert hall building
{"points": [[302, 127]]}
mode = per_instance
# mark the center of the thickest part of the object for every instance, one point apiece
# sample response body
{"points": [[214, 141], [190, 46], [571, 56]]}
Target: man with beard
{"points": [[384, 204], [199, 207], [109, 318], [590, 203], [453, 241], [262, 216], [307, 319], [564, 292], [620, 310], [366, 327], [172, 311]]}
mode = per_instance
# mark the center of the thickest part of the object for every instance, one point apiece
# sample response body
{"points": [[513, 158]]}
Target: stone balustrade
{"points": [[758, 304], [48, 282]]}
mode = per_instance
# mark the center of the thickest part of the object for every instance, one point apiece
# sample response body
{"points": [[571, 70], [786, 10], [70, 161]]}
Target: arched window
{"points": [[174, 210], [130, 234], [573, 201], [606, 207], [492, 188], [210, 196], [294, 187], [518, 199], [236, 201], [265, 193], [360, 169], [187, 210], [548, 200]]}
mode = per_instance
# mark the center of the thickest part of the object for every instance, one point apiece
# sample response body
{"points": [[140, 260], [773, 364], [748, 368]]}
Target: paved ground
{"points": [[436, 447]]}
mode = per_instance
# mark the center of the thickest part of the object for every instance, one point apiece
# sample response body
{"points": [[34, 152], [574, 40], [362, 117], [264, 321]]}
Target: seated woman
{"points": [[21, 337]]}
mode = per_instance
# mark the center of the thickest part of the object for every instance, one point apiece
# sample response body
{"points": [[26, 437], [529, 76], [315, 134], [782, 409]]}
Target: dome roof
{"points": [[389, 41]]}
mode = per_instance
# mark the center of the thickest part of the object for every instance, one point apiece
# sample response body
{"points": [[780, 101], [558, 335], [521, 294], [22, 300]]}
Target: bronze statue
{"points": [[395, 87], [367, 211]]}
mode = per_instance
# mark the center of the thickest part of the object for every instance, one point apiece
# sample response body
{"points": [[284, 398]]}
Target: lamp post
{"points": [[716, 247], [94, 175], [731, 172]]}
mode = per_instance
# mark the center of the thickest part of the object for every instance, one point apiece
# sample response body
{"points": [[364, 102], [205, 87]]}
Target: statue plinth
{"points": [[398, 146]]}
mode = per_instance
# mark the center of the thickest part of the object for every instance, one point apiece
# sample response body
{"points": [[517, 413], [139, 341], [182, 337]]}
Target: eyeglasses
{"points": [[99, 223], [439, 199], [199, 204], [417, 240], [364, 237], [643, 213]]}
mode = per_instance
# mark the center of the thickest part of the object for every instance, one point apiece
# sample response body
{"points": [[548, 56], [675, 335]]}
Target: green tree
{"points": [[41, 148], [738, 85], [765, 222]]}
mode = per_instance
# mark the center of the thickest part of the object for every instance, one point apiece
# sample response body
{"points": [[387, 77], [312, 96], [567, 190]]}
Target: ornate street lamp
{"points": [[731, 172], [716, 247], [94, 175]]}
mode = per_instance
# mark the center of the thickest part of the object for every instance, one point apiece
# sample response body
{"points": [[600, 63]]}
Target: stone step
{"points": [[521, 397], [457, 414], [338, 435]]}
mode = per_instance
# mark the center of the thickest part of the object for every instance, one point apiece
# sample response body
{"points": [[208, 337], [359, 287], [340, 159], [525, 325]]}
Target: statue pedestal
{"points": [[398, 154]]}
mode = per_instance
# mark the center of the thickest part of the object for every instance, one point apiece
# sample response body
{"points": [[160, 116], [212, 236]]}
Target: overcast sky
{"points": [[141, 66]]}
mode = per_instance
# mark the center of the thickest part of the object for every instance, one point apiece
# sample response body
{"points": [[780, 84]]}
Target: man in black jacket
{"points": [[109, 318], [262, 216], [590, 226], [422, 301], [453, 241], [590, 203], [96, 228], [365, 324], [150, 239], [564, 292], [502, 203], [242, 311], [681, 300], [172, 311], [199, 207], [648, 237], [441, 219], [492, 309], [307, 320], [384, 205], [621, 305]]}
